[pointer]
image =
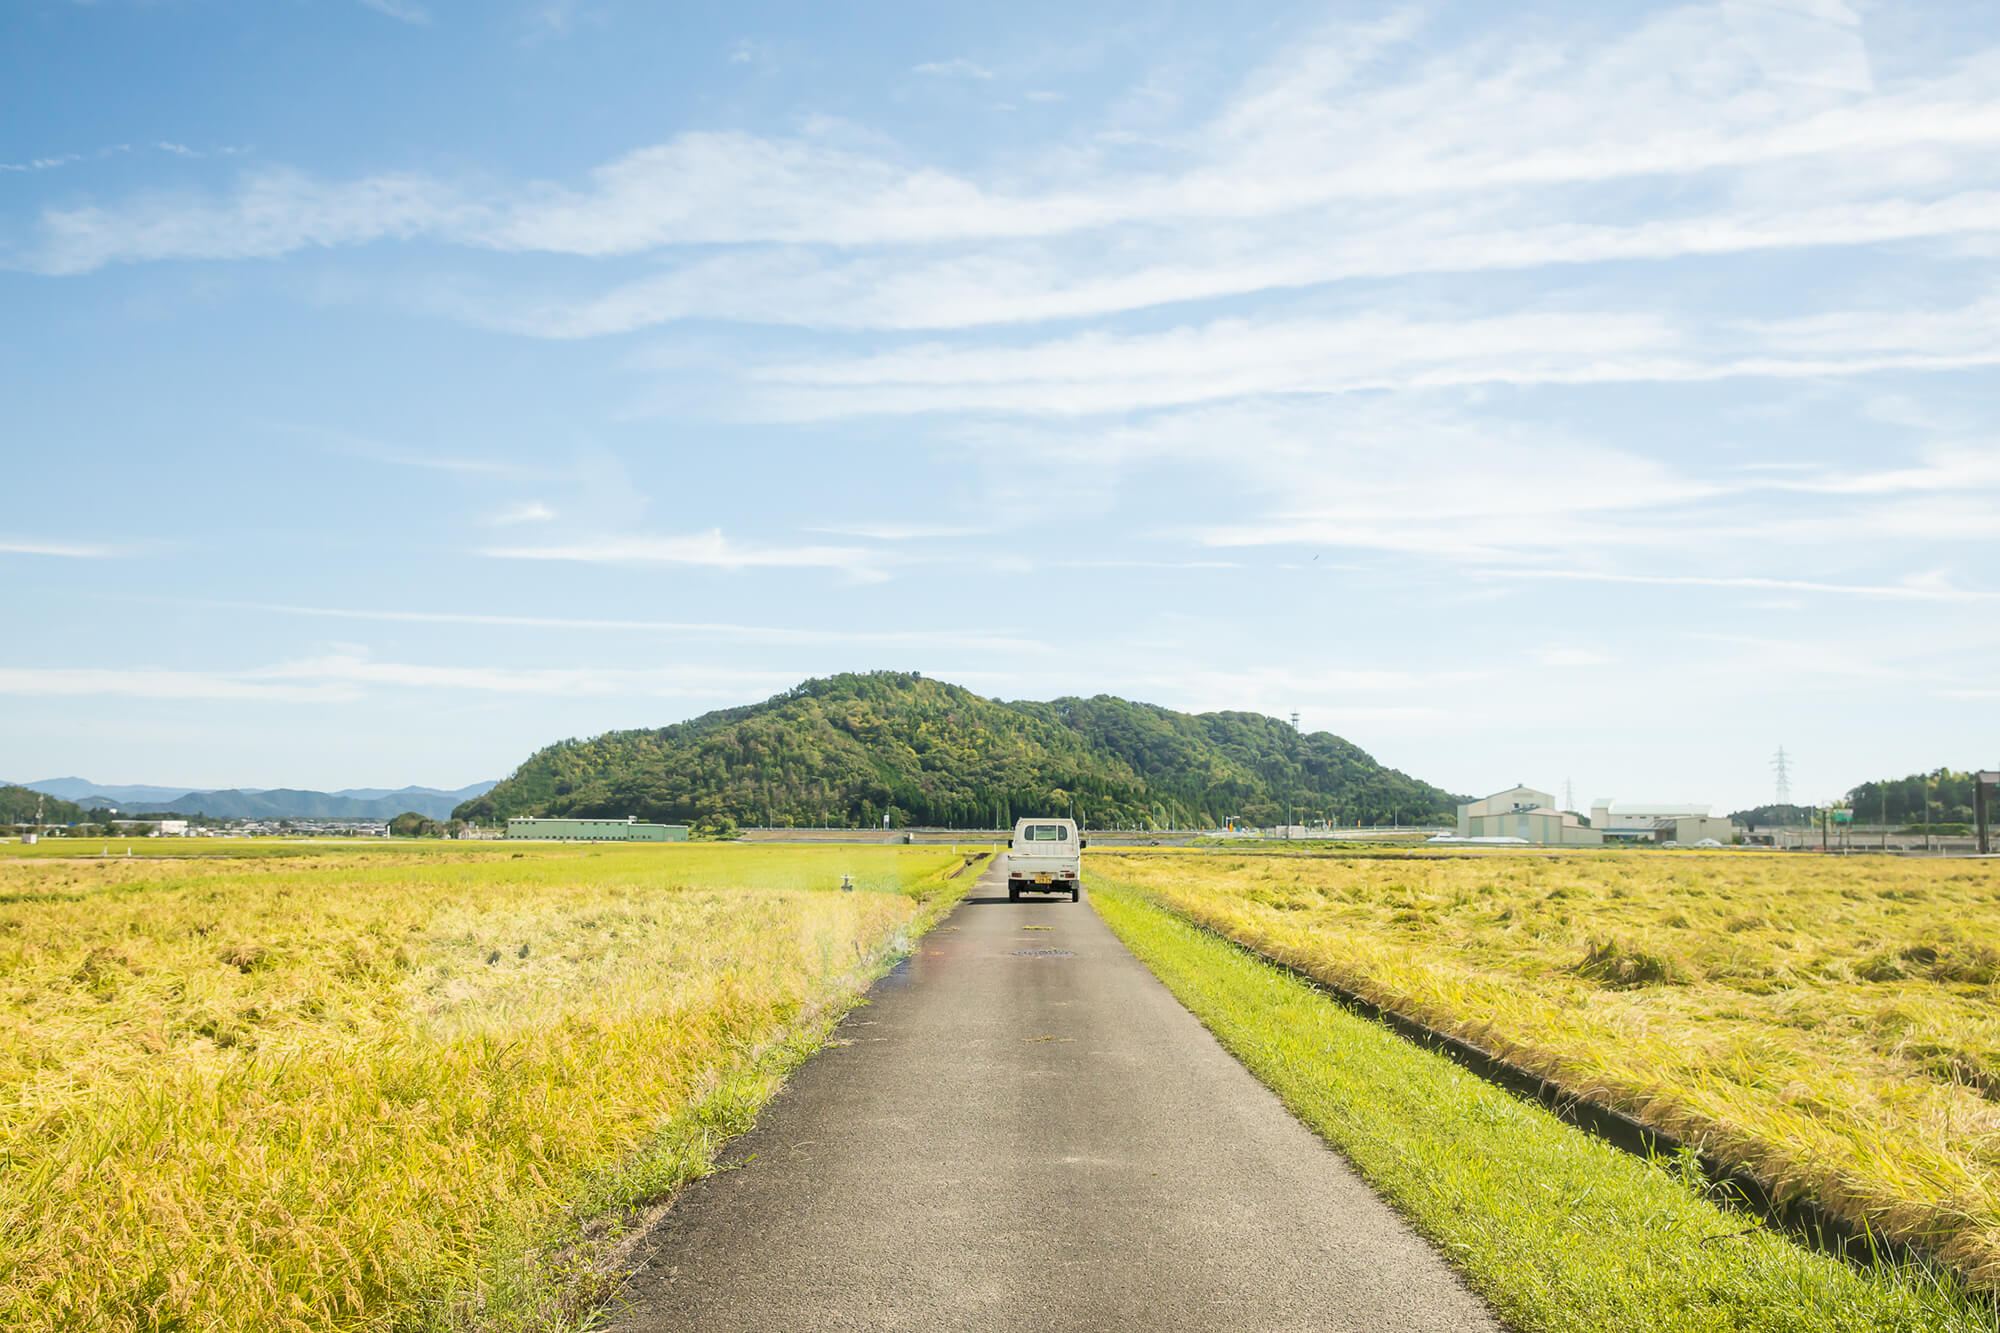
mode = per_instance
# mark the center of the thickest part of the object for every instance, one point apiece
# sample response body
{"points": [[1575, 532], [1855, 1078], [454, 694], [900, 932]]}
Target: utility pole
{"points": [[1927, 812], [1983, 786]]}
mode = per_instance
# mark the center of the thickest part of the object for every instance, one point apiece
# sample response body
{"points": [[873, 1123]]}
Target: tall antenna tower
{"points": [[1295, 721], [1569, 795], [1781, 765]]}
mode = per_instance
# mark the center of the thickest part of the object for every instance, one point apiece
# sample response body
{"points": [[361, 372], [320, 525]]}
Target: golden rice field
{"points": [[1829, 1023], [392, 1088]]}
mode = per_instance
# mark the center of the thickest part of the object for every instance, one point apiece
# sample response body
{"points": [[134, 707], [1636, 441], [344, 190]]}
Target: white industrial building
{"points": [[1638, 821], [1527, 814]]}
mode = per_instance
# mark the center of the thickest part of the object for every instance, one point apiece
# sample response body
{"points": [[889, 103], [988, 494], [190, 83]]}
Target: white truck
{"points": [[1045, 856]]}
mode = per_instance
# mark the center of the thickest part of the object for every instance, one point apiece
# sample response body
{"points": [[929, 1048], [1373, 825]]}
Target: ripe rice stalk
{"points": [[1829, 1025], [363, 1090]]}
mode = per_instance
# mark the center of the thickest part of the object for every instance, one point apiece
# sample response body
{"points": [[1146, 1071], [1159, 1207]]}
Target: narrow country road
{"points": [[1024, 1130]]}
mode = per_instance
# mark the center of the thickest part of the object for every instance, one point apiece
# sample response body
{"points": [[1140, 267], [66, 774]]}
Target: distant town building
{"points": [[171, 828], [1527, 814], [628, 829], [1638, 821]]}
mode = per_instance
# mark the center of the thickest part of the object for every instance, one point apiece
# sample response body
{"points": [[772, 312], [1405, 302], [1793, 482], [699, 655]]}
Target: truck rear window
{"points": [[1047, 833]]}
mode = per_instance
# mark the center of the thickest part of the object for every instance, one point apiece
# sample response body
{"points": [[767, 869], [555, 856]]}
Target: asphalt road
{"points": [[1012, 1138]]}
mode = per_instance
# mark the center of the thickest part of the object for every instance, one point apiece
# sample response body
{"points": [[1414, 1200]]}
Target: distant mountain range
{"points": [[266, 803]]}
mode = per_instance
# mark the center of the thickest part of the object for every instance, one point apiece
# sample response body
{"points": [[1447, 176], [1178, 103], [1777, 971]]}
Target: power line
{"points": [[1781, 765]]}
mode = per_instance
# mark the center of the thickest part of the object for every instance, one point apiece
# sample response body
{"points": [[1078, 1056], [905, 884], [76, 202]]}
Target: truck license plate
{"points": [[1041, 879]]}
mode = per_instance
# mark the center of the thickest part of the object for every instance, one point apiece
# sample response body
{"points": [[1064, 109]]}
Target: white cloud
{"points": [[967, 638], [67, 550], [708, 549], [404, 10], [1439, 478], [958, 67], [534, 511], [1804, 43], [400, 455], [1234, 358], [111, 150], [1490, 146], [903, 532], [150, 683], [1568, 655], [347, 677], [41, 163], [550, 18], [1923, 590], [1026, 282]]}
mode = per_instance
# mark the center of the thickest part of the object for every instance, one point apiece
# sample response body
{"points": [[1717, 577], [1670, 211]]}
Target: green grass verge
{"points": [[1556, 1230]]}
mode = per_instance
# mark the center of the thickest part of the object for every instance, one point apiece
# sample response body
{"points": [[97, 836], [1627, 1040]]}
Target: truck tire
{"points": [[1075, 890], [1013, 893]]}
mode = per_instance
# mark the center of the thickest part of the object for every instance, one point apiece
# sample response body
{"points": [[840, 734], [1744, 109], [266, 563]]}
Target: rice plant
{"points": [[1829, 1024], [388, 1090]]}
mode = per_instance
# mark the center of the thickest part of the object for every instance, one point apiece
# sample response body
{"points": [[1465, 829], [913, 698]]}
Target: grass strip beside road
{"points": [[1557, 1231]]}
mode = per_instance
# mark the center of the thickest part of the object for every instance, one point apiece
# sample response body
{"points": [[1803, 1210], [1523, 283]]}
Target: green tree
{"points": [[719, 827], [410, 824]]}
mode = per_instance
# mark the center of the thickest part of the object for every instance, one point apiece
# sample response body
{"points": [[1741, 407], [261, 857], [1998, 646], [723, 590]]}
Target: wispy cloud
{"points": [[162, 684], [65, 550], [1570, 655], [396, 454], [41, 163], [967, 638], [404, 10], [958, 67], [119, 149], [550, 18], [348, 677], [1239, 357], [1924, 590], [904, 532], [1330, 160], [707, 549], [534, 511]]}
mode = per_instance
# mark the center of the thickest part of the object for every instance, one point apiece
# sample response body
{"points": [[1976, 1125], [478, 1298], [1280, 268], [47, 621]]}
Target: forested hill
{"points": [[848, 749], [18, 805]]}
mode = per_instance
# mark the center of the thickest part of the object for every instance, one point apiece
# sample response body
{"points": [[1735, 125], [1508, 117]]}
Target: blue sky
{"points": [[1544, 392]]}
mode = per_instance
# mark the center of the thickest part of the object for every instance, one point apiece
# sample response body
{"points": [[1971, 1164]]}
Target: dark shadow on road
{"points": [[1027, 898]]}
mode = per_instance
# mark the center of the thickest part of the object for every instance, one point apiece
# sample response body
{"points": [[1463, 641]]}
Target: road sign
{"points": [[1842, 816]]}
